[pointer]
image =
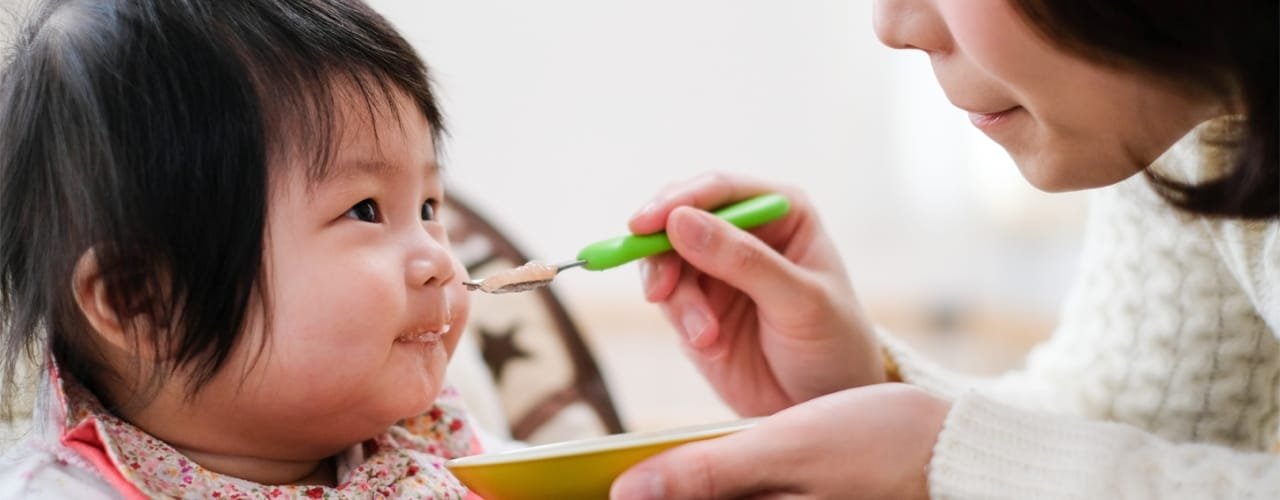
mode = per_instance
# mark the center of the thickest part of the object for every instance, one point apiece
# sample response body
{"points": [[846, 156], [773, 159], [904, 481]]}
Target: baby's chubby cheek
{"points": [[459, 313]]}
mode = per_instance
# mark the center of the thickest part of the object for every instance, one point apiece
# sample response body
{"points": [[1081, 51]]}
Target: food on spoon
{"points": [[530, 272]]}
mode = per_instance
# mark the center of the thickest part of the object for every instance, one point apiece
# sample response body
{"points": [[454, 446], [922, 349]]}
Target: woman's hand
{"points": [[770, 319], [865, 443]]}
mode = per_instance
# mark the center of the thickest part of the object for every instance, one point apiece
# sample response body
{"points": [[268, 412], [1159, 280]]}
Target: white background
{"points": [[566, 115]]}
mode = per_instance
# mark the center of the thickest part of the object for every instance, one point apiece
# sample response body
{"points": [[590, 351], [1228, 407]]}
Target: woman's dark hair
{"points": [[142, 130], [1228, 49]]}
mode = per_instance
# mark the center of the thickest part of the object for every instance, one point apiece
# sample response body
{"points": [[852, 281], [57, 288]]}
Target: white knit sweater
{"points": [[1162, 379]]}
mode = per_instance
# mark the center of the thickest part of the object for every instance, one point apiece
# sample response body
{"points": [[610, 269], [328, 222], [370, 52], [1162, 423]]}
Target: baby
{"points": [[220, 229]]}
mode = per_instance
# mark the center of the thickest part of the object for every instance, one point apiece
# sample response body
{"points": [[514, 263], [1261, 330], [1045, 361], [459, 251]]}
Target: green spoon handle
{"points": [[614, 252]]}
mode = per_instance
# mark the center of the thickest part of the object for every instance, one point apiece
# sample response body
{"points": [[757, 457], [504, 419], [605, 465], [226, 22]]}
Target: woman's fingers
{"points": [[707, 191], [868, 443], [734, 256], [687, 308], [659, 275], [727, 467]]}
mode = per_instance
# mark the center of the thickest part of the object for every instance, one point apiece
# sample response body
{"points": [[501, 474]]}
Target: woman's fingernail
{"points": [[648, 207], [637, 486], [646, 276], [694, 324], [695, 230]]}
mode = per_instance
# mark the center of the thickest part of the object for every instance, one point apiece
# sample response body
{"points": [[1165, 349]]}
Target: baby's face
{"points": [[366, 301]]}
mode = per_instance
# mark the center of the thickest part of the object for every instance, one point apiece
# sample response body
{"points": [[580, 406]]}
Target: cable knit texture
{"points": [[1162, 379]]}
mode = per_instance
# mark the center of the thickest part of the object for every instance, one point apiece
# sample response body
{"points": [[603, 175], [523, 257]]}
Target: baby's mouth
{"points": [[425, 336]]}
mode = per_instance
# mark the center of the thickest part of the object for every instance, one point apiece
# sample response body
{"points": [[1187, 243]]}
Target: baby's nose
{"points": [[425, 271]]}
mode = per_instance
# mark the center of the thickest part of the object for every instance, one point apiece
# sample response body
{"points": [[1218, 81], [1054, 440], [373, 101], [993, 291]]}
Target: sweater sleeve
{"points": [[989, 450]]}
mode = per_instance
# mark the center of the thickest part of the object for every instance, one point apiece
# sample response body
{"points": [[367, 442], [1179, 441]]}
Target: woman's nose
{"points": [[910, 24]]}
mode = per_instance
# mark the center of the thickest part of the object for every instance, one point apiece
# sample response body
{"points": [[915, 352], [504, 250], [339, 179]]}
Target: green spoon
{"points": [[614, 252]]}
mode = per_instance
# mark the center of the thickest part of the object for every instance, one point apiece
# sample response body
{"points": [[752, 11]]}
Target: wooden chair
{"points": [[547, 380]]}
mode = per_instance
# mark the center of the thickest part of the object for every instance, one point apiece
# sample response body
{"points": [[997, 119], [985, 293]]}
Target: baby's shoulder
{"points": [[29, 471]]}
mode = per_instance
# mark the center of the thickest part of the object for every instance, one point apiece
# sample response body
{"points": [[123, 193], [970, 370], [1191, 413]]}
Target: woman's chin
{"points": [[1054, 167], [1046, 175]]}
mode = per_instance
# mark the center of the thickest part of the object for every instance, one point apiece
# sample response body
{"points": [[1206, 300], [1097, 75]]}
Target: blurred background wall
{"points": [[567, 115]]}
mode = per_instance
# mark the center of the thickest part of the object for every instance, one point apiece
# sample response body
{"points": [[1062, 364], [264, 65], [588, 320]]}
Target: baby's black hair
{"points": [[142, 130]]}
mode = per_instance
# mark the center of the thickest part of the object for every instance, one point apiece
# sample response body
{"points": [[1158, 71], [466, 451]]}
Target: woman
{"points": [[1162, 378]]}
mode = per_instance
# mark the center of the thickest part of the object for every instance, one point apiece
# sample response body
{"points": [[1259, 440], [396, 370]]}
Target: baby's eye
{"points": [[366, 210], [429, 210]]}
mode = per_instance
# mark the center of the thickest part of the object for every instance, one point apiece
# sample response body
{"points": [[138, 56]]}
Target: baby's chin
{"points": [[378, 421], [412, 399], [423, 404], [375, 415], [404, 395]]}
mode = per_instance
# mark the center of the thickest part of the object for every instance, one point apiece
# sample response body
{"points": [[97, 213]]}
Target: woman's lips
{"points": [[987, 121]]}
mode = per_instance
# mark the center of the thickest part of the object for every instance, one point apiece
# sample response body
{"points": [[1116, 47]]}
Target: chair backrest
{"points": [[543, 370]]}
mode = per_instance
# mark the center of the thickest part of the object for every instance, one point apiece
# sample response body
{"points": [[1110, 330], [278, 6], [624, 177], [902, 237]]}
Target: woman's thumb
{"points": [[717, 468]]}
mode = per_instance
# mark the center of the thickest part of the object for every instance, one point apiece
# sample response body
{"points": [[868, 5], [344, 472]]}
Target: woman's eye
{"points": [[429, 210], [366, 210]]}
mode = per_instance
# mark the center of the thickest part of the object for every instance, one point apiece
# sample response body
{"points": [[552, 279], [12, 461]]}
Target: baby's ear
{"points": [[89, 286]]}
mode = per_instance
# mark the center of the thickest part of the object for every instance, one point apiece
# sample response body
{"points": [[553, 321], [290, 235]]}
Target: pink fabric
{"points": [[476, 449], [405, 461], [85, 441]]}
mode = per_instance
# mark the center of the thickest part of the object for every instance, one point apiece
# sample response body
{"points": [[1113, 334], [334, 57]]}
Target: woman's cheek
{"points": [[995, 37]]}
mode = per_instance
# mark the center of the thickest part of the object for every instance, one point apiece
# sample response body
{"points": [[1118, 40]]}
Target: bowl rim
{"points": [[601, 444]]}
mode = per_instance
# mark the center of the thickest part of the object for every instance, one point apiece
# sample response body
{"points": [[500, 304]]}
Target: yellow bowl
{"points": [[582, 469]]}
